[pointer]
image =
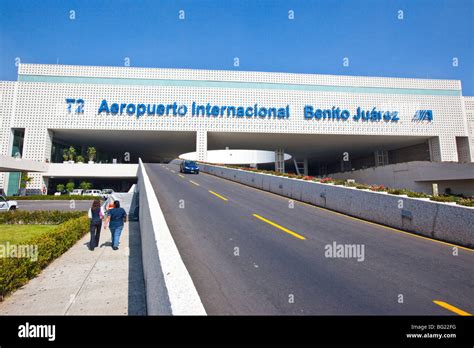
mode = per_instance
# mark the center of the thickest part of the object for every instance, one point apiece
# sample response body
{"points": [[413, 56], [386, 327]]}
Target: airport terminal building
{"points": [[330, 125]]}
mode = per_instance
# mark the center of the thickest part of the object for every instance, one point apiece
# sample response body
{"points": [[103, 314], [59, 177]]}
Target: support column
{"points": [[463, 149], [37, 147], [279, 160], [48, 145], [8, 97], [201, 145], [443, 149], [305, 169]]}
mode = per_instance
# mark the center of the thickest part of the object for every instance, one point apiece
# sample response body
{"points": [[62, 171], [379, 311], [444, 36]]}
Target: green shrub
{"points": [[443, 198], [52, 197], [15, 272], [38, 217], [340, 182], [468, 202], [326, 180], [417, 194], [397, 191], [362, 186]]}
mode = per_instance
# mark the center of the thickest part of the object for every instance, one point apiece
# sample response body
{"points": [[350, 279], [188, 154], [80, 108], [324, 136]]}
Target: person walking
{"points": [[96, 215], [116, 217]]}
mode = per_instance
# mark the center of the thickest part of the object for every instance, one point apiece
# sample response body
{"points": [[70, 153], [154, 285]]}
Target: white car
{"points": [[97, 193], [7, 205], [107, 192], [77, 192]]}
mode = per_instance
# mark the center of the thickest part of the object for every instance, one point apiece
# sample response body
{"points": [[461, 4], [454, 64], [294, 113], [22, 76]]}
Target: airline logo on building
{"points": [[423, 115]]}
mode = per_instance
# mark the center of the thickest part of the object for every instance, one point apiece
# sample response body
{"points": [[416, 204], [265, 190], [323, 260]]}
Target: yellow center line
{"points": [[218, 195], [410, 234], [193, 182], [387, 227], [294, 234], [452, 308], [181, 176]]}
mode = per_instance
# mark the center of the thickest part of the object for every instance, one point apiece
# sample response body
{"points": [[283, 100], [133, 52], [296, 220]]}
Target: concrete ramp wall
{"points": [[169, 287], [442, 221]]}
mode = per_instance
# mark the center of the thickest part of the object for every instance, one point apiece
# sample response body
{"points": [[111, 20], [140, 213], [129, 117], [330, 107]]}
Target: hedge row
{"points": [[39, 217], [15, 272], [52, 198], [469, 202]]}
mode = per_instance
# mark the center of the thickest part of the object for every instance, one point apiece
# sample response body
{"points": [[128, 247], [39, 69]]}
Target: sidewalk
{"points": [[84, 282]]}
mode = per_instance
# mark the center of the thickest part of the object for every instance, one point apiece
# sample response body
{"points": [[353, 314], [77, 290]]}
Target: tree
{"points": [[91, 152], [25, 179], [85, 185], [70, 186], [65, 154], [60, 187], [72, 153]]}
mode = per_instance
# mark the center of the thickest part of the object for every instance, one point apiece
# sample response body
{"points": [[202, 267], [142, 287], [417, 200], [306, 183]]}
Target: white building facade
{"points": [[157, 114]]}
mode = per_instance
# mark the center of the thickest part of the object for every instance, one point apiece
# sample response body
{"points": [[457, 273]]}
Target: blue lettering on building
{"points": [[336, 114], [78, 102], [254, 111], [206, 110]]}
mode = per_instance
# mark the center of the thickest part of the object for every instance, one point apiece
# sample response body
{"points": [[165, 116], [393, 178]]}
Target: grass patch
{"points": [[16, 234]]}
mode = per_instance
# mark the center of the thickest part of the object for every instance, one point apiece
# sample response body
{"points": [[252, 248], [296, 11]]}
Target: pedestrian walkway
{"points": [[84, 282]]}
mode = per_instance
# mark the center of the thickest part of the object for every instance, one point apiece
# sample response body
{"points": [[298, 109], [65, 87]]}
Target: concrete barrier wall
{"points": [[97, 170], [443, 221], [169, 287], [417, 176]]}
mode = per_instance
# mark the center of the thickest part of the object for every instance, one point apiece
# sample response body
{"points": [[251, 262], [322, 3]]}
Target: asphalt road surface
{"points": [[251, 252], [63, 205]]}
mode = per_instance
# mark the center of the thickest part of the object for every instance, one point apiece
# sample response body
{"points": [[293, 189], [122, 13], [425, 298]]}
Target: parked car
{"points": [[77, 192], [189, 167], [106, 193], [97, 193], [6, 205], [63, 192]]}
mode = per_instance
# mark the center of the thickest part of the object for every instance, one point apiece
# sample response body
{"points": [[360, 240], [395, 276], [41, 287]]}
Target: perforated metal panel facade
{"points": [[37, 103], [469, 107]]}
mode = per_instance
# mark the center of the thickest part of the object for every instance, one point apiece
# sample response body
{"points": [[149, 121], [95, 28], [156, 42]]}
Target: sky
{"points": [[393, 38]]}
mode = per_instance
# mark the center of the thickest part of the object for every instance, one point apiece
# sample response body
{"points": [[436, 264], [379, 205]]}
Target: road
{"points": [[63, 205], [250, 252]]}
